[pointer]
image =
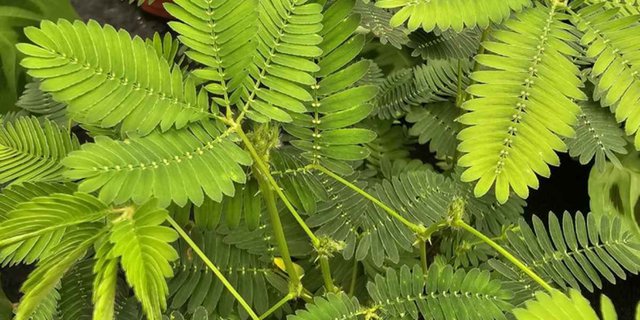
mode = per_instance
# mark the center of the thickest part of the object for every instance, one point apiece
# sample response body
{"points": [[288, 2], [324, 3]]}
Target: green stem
{"points": [[460, 97], [267, 175], [277, 306], [354, 276], [503, 252], [423, 256], [414, 227], [326, 274], [213, 268], [267, 194]]}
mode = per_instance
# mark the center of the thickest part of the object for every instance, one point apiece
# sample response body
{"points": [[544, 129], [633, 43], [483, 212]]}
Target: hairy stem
{"points": [[213, 268], [277, 306], [264, 169], [326, 274], [414, 227], [278, 231], [503, 252]]}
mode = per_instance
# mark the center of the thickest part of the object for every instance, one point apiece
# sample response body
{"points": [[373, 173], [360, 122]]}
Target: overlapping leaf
{"points": [[523, 103], [177, 165], [108, 78]]}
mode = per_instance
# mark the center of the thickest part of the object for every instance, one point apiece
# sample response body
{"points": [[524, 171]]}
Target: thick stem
{"points": [[264, 170], [278, 231], [213, 268], [326, 274], [504, 253], [277, 306], [414, 227]]}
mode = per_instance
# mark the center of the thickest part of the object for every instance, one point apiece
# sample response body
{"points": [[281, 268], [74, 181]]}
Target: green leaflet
{"points": [[408, 293], [434, 81], [435, 124], [557, 306], [177, 165], [613, 43], [333, 306], [336, 102], [144, 248], [41, 104], [523, 102], [30, 151], [598, 136], [108, 78], [288, 40], [454, 14], [219, 36], [578, 251]]}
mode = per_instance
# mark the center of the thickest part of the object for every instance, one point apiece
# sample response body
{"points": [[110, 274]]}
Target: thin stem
{"points": [[267, 175], [414, 227], [267, 194], [460, 97], [354, 276], [213, 268], [326, 274], [503, 252], [423, 256], [277, 306]]}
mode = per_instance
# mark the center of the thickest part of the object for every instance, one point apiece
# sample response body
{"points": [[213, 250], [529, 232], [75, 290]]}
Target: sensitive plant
{"points": [[259, 164]]}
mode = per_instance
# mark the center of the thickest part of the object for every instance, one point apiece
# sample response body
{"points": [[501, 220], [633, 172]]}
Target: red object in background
{"points": [[157, 8]]}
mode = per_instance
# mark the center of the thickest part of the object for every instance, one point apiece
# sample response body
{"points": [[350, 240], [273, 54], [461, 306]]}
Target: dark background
{"points": [[565, 190]]}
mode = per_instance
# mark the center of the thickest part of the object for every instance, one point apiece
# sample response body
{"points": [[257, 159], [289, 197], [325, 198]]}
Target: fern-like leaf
{"points": [[557, 306], [597, 136], [105, 281], [30, 151], [529, 78], [75, 292], [444, 293], [447, 14], [578, 251], [324, 135], [435, 124], [444, 45], [287, 41], [435, 81], [47, 275], [220, 36], [41, 104], [333, 306], [376, 20], [614, 44], [35, 228], [175, 166], [145, 253], [126, 82]]}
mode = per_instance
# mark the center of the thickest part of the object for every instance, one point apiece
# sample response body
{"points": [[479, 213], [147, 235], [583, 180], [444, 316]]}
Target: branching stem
{"points": [[264, 169], [213, 268], [503, 252], [277, 306]]}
